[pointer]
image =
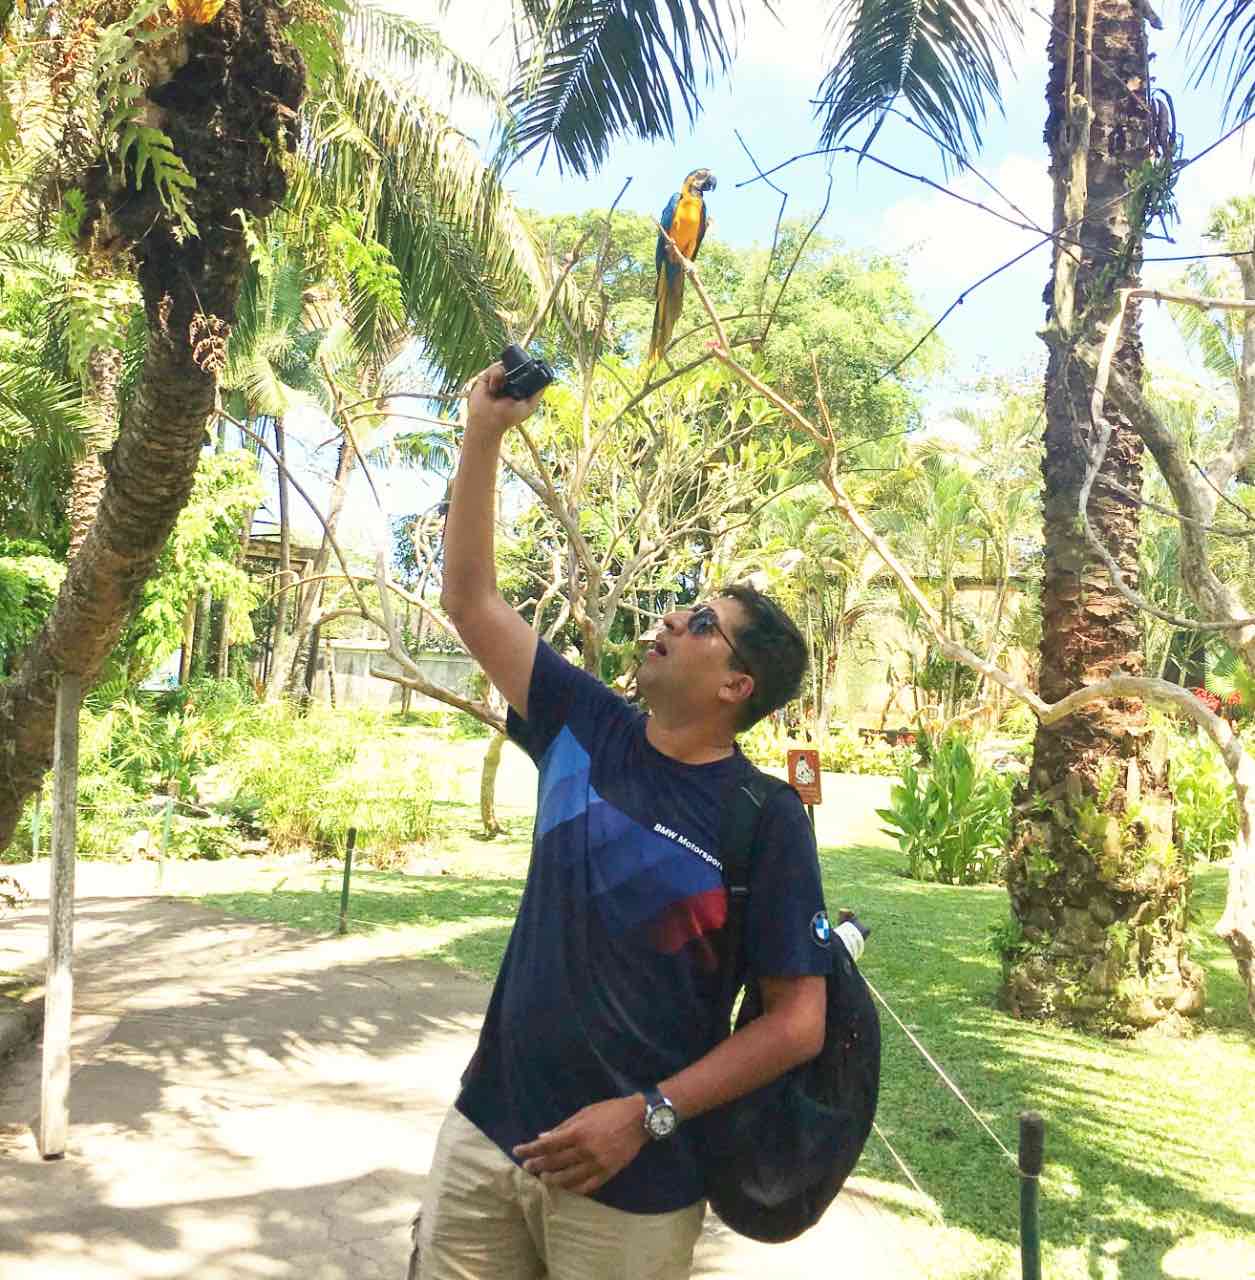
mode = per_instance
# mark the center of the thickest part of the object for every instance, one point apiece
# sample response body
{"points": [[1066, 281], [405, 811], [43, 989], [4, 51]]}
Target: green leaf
{"points": [[940, 58], [598, 68]]}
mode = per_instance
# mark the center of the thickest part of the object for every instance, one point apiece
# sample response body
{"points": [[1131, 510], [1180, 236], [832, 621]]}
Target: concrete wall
{"points": [[356, 687]]}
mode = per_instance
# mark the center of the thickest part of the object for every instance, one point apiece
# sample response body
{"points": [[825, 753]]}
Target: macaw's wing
{"points": [[701, 233], [668, 217]]}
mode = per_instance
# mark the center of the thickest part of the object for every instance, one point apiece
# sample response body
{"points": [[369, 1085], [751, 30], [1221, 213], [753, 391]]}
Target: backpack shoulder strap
{"points": [[743, 810]]}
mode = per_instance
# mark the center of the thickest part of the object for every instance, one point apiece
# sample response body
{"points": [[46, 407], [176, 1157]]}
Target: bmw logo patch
{"points": [[821, 929]]}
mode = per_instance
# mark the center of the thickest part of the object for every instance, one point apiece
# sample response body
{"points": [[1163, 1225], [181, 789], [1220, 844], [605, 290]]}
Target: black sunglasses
{"points": [[703, 620]]}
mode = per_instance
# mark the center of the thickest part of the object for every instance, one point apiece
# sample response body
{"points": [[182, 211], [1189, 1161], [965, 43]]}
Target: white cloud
{"points": [[952, 243]]}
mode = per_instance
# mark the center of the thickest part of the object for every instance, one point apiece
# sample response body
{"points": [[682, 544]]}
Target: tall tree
{"points": [[156, 137]]}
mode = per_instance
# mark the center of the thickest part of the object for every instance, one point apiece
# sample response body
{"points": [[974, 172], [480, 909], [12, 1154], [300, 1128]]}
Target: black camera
{"points": [[524, 376]]}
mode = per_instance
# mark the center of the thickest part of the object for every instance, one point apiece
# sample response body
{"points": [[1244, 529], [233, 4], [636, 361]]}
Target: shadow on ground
{"points": [[250, 1102]]}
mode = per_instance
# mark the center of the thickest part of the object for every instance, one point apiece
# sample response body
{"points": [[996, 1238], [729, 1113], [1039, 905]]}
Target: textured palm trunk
{"points": [[87, 479], [1094, 875], [232, 141]]}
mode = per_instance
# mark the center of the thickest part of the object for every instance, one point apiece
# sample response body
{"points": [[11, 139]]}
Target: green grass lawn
{"points": [[1150, 1143]]}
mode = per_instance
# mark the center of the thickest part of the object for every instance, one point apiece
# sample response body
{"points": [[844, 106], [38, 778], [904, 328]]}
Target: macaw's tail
{"points": [[666, 309]]}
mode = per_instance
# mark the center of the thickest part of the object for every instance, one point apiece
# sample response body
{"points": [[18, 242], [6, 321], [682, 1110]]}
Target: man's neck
{"points": [[689, 743]]}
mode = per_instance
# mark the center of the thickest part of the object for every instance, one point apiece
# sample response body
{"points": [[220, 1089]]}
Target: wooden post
{"points": [[1032, 1144], [348, 871], [36, 815], [54, 1105]]}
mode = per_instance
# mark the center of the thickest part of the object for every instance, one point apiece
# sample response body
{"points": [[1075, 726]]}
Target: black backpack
{"points": [[775, 1159]]}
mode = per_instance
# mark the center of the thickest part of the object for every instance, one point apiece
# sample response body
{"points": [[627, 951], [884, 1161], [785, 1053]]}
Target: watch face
{"points": [[661, 1121]]}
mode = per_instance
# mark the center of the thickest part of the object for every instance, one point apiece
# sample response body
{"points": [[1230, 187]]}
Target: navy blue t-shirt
{"points": [[610, 979]]}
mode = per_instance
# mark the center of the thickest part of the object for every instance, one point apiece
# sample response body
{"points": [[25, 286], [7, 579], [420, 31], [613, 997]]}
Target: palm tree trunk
{"points": [[232, 141], [1094, 877], [87, 478]]}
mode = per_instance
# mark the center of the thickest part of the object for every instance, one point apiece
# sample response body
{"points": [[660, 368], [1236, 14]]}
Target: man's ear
{"points": [[737, 687]]}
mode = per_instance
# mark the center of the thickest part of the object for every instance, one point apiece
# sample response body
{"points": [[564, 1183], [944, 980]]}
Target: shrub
{"points": [[309, 779], [952, 824], [1206, 808], [304, 781], [465, 725], [840, 751], [847, 752]]}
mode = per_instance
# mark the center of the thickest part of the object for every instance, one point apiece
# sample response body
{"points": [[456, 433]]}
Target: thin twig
{"points": [[797, 257], [361, 457], [1211, 484], [775, 235]]}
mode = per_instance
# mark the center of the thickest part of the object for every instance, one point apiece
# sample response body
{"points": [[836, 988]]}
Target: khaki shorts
{"points": [[483, 1218]]}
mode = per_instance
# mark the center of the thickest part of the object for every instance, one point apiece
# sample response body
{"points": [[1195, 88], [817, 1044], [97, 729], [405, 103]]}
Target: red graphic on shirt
{"points": [[691, 919]]}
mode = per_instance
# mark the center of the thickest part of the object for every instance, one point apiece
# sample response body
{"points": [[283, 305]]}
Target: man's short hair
{"points": [[773, 645]]}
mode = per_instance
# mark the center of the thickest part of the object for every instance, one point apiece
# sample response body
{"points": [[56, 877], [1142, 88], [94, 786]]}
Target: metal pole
{"points": [[348, 871], [810, 813], [1032, 1145], [54, 1096]]}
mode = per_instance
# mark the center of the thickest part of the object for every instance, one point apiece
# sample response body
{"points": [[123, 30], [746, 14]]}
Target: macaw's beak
{"points": [[708, 183]]}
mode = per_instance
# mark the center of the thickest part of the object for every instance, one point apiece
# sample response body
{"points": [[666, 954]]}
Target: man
{"points": [[572, 1150]]}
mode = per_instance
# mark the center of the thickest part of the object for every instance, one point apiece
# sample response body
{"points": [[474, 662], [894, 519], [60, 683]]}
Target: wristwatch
{"points": [[660, 1117]]}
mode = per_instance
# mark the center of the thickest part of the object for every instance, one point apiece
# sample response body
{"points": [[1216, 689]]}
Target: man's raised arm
{"points": [[498, 639]]}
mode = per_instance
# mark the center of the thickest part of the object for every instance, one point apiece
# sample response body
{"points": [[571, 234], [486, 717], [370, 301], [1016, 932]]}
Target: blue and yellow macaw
{"points": [[684, 220]]}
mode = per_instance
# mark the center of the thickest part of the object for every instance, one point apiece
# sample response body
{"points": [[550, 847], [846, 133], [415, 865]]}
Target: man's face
{"points": [[692, 657]]}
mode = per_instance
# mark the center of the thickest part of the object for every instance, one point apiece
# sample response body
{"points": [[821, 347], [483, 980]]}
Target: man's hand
{"points": [[587, 1149], [491, 410]]}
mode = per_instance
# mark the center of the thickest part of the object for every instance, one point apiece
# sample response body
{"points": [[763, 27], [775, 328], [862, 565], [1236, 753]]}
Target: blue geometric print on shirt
{"points": [[564, 783], [636, 874]]}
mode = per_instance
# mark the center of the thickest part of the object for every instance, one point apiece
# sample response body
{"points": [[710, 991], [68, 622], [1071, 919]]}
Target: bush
{"points": [[1206, 808], [840, 751], [846, 752], [304, 781], [309, 779], [465, 725], [953, 824]]}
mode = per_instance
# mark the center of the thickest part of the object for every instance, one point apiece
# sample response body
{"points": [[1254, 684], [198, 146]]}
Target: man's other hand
{"points": [[587, 1149], [491, 410]]}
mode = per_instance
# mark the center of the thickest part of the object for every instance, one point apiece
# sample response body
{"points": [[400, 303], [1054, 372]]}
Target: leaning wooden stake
{"points": [[54, 1106]]}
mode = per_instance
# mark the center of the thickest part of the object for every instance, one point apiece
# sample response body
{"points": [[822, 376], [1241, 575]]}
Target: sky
{"points": [[947, 246]]}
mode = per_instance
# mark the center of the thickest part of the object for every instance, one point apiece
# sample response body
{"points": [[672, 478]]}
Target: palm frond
{"points": [[385, 39], [1214, 335], [942, 57], [1222, 42], [40, 410], [468, 264], [594, 69]]}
